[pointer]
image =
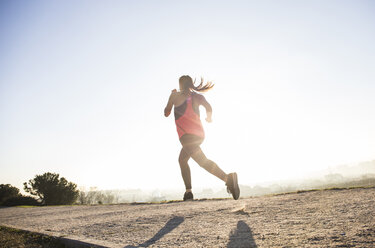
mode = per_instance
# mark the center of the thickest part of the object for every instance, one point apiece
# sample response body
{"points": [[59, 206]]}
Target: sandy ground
{"points": [[334, 218]]}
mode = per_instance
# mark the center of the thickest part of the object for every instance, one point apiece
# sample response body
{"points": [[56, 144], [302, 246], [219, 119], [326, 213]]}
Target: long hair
{"points": [[187, 84]]}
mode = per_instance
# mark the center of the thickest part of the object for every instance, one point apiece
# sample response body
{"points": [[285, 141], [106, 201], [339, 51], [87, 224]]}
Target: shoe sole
{"points": [[236, 193]]}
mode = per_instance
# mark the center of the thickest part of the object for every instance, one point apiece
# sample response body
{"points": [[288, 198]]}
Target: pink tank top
{"points": [[189, 122]]}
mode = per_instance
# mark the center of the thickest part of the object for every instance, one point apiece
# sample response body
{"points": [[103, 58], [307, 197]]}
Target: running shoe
{"points": [[232, 185], [188, 196]]}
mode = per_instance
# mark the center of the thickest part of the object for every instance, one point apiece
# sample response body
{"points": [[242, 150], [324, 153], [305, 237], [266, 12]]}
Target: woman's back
{"points": [[186, 104], [180, 98]]}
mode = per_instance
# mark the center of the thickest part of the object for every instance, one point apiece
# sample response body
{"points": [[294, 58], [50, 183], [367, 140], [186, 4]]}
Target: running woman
{"points": [[190, 131]]}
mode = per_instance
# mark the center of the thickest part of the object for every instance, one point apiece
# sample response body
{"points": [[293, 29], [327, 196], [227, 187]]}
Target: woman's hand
{"points": [[168, 108], [208, 119]]}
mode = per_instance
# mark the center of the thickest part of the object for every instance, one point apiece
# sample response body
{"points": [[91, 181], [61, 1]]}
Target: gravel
{"points": [[330, 218]]}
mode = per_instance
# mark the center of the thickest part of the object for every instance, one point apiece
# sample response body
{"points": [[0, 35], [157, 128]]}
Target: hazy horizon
{"points": [[83, 85]]}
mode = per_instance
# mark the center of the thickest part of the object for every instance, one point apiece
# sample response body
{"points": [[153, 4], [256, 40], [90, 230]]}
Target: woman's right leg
{"points": [[191, 146], [230, 180], [208, 165]]}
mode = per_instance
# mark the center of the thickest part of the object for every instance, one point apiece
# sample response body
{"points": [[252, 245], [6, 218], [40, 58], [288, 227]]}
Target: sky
{"points": [[83, 86]]}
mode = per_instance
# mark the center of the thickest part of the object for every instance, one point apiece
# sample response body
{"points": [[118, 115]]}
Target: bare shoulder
{"points": [[174, 95], [199, 97]]}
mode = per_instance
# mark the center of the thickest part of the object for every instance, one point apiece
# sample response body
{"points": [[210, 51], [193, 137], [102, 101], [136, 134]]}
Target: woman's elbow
{"points": [[166, 112]]}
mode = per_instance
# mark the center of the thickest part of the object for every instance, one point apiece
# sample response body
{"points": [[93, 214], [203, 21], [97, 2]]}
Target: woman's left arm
{"points": [[168, 108]]}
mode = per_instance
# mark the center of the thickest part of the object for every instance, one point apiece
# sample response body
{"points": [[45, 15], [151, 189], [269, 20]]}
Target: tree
{"points": [[8, 191], [52, 189]]}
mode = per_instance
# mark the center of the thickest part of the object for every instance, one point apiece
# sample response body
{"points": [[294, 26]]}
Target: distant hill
{"points": [[352, 170], [342, 176]]}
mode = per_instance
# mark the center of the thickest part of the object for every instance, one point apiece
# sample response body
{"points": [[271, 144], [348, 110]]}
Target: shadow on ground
{"points": [[169, 226], [241, 237]]}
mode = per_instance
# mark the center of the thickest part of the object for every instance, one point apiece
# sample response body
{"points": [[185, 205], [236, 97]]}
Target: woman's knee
{"points": [[199, 157], [182, 160]]}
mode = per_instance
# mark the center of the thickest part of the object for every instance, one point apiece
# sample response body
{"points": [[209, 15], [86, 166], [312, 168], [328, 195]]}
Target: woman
{"points": [[186, 104]]}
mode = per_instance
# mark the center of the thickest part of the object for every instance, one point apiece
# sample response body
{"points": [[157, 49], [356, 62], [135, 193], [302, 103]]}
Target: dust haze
{"points": [[342, 176]]}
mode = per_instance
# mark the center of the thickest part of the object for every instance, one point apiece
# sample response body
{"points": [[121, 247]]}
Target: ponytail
{"points": [[186, 83], [203, 87]]}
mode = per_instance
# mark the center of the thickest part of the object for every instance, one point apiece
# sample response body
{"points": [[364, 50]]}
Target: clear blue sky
{"points": [[83, 85]]}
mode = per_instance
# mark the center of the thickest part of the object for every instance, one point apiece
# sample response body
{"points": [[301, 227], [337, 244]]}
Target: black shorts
{"points": [[190, 143]]}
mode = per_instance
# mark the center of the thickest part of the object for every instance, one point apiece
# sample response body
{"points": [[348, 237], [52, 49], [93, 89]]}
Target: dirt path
{"points": [[335, 218]]}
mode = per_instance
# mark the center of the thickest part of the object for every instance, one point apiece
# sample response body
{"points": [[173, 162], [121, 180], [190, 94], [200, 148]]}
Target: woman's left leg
{"points": [[185, 169]]}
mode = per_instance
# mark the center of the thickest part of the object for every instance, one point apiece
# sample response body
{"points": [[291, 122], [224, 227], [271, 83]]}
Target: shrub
{"points": [[52, 190], [21, 200], [8, 191], [95, 196]]}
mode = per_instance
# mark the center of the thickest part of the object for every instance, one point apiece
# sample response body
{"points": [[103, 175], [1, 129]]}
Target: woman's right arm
{"points": [[208, 108], [168, 108]]}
